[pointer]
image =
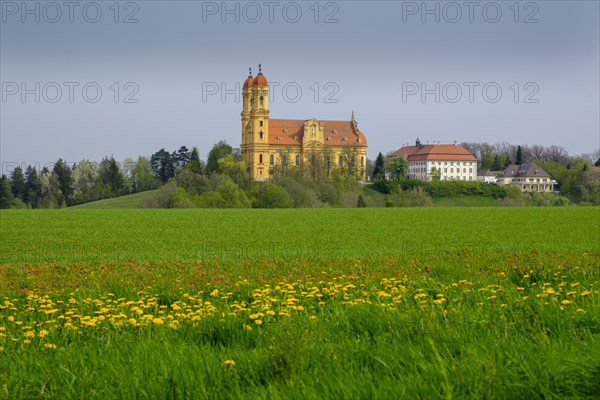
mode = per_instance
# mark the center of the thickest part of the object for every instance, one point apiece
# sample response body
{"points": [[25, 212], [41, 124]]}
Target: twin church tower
{"points": [[267, 143]]}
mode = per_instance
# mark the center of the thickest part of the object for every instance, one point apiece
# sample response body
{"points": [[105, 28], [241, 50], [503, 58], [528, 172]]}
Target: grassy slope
{"points": [[128, 201]]}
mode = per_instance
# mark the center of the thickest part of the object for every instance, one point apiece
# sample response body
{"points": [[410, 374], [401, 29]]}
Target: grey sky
{"points": [[373, 58]]}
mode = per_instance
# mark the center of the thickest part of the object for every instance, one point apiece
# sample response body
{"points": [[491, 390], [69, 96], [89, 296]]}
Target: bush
{"points": [[269, 195], [416, 197], [210, 199]]}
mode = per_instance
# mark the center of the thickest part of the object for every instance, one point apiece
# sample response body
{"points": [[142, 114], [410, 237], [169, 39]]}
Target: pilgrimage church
{"points": [[267, 142]]}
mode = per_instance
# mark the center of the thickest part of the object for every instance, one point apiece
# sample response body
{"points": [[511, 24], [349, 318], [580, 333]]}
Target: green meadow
{"points": [[441, 302]]}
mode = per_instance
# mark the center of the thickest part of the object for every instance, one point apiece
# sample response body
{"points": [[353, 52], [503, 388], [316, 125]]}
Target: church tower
{"points": [[255, 125]]}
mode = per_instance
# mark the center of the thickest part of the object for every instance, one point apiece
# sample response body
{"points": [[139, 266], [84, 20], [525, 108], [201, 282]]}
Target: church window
{"points": [[261, 123], [284, 159], [261, 101], [261, 135], [271, 159], [362, 161], [297, 160], [313, 131], [340, 161], [260, 158]]}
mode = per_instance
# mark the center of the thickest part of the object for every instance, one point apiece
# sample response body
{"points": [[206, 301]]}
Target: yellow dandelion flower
{"points": [[158, 321], [247, 327], [585, 293], [43, 333], [29, 334], [26, 341], [214, 293], [258, 321], [580, 310], [300, 308], [229, 363], [50, 346], [565, 302], [11, 318]]}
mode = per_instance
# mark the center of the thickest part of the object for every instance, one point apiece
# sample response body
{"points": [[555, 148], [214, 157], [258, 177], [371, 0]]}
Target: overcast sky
{"points": [[168, 70]]}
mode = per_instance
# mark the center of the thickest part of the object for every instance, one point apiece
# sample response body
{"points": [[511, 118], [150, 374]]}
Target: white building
{"points": [[448, 161]]}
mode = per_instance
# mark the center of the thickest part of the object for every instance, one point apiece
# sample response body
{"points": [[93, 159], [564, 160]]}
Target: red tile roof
{"points": [[434, 152], [336, 133]]}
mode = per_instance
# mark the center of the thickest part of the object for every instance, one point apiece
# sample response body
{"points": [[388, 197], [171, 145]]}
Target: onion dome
{"points": [[260, 78], [248, 82]]}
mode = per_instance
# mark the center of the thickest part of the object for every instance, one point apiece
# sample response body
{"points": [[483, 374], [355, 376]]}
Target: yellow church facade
{"points": [[317, 147]]}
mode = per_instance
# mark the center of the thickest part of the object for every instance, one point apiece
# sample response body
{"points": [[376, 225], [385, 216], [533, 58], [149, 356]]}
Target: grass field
{"points": [[303, 303]]}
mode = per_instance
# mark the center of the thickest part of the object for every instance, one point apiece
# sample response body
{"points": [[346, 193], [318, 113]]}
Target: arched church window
{"points": [[271, 159], [260, 135], [260, 158], [297, 160], [261, 123]]}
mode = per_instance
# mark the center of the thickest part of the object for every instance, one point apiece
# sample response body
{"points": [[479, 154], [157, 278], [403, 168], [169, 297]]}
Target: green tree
{"points": [[270, 195], [64, 183], [236, 170], [111, 177], [17, 183], [142, 178], [33, 187], [519, 160], [597, 163], [182, 156], [396, 167], [163, 165], [85, 178], [436, 174], [219, 150], [6, 195], [379, 169], [195, 164], [497, 164]]}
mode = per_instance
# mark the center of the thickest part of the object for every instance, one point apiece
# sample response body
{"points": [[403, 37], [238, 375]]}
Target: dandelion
{"points": [[258, 321], [11, 318], [26, 341], [158, 321], [50, 346], [585, 293], [565, 302], [229, 363]]}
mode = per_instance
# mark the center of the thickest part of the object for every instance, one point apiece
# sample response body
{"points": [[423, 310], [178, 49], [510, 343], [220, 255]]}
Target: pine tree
{"points": [[379, 169], [17, 183], [33, 187], [519, 156], [64, 177], [163, 165], [497, 164], [6, 195], [194, 164]]}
